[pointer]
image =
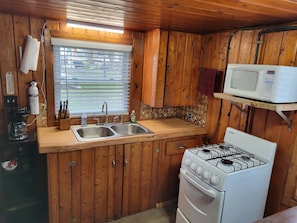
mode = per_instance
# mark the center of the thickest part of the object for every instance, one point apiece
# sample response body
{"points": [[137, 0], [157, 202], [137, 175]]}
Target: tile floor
{"points": [[156, 215]]}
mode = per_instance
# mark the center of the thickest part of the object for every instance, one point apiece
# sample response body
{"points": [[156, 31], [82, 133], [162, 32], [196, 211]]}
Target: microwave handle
{"points": [[208, 192]]}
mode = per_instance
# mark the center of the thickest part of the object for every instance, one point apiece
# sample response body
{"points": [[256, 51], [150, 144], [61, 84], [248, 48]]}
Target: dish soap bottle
{"points": [[84, 120], [133, 117]]}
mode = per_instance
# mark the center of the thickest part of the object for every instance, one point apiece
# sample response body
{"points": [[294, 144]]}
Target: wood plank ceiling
{"points": [[199, 16]]}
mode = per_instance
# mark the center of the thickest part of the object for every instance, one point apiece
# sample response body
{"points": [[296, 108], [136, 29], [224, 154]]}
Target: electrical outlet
{"points": [[190, 115], [10, 101]]}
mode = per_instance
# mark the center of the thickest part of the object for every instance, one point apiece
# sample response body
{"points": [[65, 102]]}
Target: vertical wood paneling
{"points": [[163, 170], [195, 72], [134, 181], [271, 49], [111, 184], [76, 192], [136, 70], [288, 52], [154, 67], [101, 183], [87, 185], [7, 63], [126, 177], [118, 181], [173, 67], [154, 171], [21, 30], [53, 187], [145, 176], [64, 181], [275, 48]]}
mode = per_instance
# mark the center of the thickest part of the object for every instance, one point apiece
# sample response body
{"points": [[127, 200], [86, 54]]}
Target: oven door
{"points": [[197, 201]]}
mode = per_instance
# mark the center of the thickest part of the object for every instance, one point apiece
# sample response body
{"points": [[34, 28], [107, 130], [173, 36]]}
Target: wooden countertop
{"points": [[286, 216], [51, 139]]}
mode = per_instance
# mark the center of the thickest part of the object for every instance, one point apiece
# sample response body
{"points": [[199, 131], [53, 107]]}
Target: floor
{"points": [[156, 215]]}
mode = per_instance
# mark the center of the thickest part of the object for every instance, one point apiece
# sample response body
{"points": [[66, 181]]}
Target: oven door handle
{"points": [[208, 192]]}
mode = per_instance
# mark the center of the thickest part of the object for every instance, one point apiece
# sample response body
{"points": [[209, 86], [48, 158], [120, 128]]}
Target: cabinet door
{"points": [[154, 67], [140, 176], [171, 154], [182, 76], [79, 185]]}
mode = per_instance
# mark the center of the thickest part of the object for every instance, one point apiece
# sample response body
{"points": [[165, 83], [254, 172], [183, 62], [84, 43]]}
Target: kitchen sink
{"points": [[110, 130], [129, 129], [95, 132]]}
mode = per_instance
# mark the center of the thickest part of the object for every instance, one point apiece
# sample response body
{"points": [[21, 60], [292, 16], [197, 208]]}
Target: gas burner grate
{"points": [[227, 157]]}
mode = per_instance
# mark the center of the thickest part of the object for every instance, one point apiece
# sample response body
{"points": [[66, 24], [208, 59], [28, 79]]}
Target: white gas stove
{"points": [[227, 182]]}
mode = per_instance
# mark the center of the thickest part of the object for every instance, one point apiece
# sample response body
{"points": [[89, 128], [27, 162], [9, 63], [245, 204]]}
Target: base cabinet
{"points": [[106, 183], [171, 153], [101, 184]]}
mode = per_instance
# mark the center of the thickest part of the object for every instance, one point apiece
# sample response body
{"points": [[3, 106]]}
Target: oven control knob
{"points": [[193, 166], [188, 162], [214, 180], [206, 175], [199, 170]]}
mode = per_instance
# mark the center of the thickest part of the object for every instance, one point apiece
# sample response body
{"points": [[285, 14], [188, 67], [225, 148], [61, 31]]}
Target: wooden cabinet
{"points": [[101, 184], [171, 68], [171, 153]]}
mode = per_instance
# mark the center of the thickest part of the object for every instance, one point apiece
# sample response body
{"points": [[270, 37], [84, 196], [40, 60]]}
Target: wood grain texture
{"points": [[188, 16], [275, 48], [154, 68]]}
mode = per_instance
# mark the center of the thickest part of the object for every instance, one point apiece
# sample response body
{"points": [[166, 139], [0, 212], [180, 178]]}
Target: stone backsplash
{"points": [[195, 114]]}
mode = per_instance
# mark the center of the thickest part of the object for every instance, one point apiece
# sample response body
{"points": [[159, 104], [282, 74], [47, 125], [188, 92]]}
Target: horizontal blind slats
{"points": [[88, 77]]}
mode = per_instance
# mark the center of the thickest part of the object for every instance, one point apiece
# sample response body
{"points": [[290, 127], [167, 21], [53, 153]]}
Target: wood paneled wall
{"points": [[14, 31], [275, 48]]}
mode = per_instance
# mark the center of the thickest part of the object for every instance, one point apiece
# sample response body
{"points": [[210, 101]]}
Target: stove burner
{"points": [[227, 162], [245, 158], [206, 150], [223, 147]]}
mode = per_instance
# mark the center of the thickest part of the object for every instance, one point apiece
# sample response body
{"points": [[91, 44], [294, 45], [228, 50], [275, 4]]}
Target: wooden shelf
{"points": [[279, 108]]}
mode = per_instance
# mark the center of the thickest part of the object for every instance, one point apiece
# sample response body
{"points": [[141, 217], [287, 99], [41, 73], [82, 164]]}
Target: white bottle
{"points": [[33, 98], [133, 117], [84, 120]]}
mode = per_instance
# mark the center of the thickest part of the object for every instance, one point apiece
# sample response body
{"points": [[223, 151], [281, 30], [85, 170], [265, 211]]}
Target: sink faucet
{"points": [[104, 106]]}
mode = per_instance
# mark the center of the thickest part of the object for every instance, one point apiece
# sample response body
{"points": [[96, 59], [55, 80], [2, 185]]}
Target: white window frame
{"points": [[67, 76]]}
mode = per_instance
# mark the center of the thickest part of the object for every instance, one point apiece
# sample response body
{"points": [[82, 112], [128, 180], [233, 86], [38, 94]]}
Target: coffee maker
{"points": [[17, 123]]}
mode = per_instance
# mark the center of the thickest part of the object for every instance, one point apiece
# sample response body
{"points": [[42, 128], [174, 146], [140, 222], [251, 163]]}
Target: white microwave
{"points": [[271, 83]]}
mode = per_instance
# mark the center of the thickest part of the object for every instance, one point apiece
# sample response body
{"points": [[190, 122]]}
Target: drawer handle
{"points": [[181, 147]]}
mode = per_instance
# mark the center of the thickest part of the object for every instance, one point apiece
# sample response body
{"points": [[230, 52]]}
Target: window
{"points": [[87, 74]]}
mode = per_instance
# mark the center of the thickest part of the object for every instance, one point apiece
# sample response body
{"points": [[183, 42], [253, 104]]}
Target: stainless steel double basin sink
{"points": [[110, 130]]}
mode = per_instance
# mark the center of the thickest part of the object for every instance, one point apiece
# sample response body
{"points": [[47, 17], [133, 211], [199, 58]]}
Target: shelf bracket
{"points": [[242, 109], [288, 120]]}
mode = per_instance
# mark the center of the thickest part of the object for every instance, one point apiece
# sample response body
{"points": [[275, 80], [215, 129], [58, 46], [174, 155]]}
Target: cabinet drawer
{"points": [[177, 147]]}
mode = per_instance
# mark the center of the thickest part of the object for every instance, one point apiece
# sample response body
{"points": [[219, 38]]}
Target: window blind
{"points": [[89, 73]]}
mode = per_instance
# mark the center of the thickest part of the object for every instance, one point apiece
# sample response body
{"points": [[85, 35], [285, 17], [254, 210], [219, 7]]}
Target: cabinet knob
{"points": [[113, 163], [72, 163], [125, 162]]}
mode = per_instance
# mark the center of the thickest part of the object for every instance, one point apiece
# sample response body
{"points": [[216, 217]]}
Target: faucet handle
{"points": [[115, 118], [97, 120]]}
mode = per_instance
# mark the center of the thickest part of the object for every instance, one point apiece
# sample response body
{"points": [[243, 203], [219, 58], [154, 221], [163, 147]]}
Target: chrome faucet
{"points": [[104, 106]]}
